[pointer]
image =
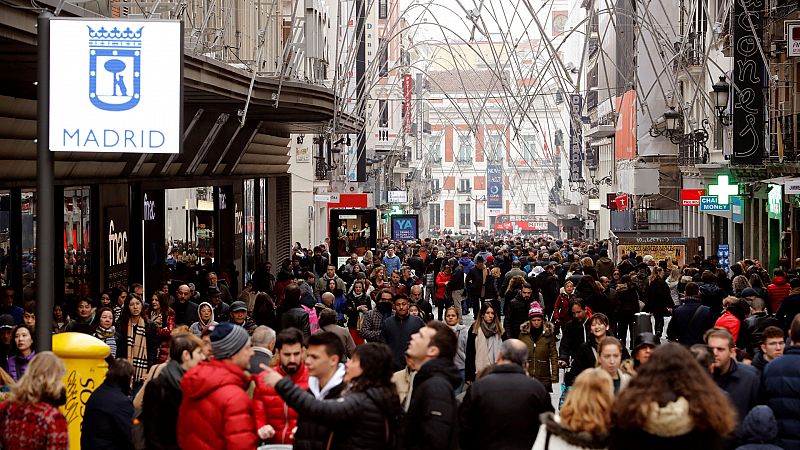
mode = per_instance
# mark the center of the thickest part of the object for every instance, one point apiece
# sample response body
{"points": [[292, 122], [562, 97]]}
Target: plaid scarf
{"points": [[137, 348]]}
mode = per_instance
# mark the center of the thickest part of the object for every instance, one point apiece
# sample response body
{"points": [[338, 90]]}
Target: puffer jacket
{"points": [[777, 291], [781, 381], [604, 267], [359, 419], [270, 409], [216, 412], [542, 353]]}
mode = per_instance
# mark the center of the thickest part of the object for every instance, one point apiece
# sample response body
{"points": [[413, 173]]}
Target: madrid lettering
{"points": [[109, 139]]}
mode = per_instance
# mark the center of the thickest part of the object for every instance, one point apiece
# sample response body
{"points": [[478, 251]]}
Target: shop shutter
{"points": [[283, 211]]}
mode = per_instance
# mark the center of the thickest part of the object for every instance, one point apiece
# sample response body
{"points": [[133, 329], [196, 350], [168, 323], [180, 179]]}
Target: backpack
{"points": [[313, 320]]}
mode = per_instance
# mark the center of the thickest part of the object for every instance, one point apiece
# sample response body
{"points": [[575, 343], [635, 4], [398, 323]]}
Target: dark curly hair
{"points": [[670, 373]]}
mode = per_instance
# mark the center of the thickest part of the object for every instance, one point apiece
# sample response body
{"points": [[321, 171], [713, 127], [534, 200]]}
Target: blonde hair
{"points": [[675, 274], [495, 272], [44, 378], [588, 405]]}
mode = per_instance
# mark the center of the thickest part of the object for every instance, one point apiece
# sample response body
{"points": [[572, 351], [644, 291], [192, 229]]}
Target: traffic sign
{"points": [[711, 203]]}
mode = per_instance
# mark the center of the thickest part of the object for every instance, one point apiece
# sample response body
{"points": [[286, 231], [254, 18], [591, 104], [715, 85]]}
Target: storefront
{"points": [[141, 231]]}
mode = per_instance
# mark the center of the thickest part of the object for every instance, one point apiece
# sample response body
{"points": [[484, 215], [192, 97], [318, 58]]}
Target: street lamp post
{"points": [[476, 199]]}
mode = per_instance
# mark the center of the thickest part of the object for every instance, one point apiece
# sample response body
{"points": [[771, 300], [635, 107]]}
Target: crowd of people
{"points": [[513, 343]]}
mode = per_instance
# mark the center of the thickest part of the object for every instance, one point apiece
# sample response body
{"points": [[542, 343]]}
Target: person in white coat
{"points": [[585, 419]]}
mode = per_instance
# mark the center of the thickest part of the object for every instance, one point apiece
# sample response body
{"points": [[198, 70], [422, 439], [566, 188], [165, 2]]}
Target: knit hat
{"points": [[535, 311], [227, 339]]}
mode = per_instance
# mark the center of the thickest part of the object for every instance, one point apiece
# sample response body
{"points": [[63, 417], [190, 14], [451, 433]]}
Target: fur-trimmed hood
{"points": [[670, 420], [549, 329], [581, 439]]}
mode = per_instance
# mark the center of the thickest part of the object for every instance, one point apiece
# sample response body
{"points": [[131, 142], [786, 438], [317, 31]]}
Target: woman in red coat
{"points": [[441, 286]]}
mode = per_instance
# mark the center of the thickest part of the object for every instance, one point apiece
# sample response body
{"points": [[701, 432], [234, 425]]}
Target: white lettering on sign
{"points": [[149, 209], [117, 246], [223, 203]]}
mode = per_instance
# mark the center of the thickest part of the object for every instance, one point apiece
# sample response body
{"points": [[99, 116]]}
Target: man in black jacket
{"points": [[398, 329], [690, 320], [548, 286], [501, 410], [108, 416], [516, 312], [432, 416], [326, 373], [574, 334]]}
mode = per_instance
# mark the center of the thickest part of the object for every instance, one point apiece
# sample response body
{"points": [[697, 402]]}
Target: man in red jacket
{"points": [[216, 412], [275, 421]]}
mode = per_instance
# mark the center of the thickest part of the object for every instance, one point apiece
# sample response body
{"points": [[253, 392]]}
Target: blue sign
{"points": [[723, 253], [494, 186], [404, 228], [736, 209], [711, 203]]}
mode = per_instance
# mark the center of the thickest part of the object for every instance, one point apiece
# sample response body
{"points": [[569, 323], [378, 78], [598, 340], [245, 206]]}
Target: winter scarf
{"points": [[137, 347], [487, 346]]}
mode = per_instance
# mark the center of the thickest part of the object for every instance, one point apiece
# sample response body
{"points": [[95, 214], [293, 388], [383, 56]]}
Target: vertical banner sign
{"points": [[575, 139], [408, 88], [748, 79], [116, 223], [494, 186]]}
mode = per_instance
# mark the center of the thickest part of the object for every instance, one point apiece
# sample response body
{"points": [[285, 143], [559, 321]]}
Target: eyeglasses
{"points": [[775, 344]]}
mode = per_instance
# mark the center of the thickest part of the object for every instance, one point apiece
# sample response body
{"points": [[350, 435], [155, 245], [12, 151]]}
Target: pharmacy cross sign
{"points": [[723, 190]]}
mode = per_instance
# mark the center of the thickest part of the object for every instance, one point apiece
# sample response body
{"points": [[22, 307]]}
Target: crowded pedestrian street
{"points": [[399, 225]]}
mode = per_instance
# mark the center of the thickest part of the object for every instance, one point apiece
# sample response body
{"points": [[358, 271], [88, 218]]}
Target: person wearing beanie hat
{"points": [[538, 334], [216, 411]]}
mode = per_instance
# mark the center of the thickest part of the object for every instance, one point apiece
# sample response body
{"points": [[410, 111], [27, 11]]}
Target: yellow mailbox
{"points": [[84, 357]]}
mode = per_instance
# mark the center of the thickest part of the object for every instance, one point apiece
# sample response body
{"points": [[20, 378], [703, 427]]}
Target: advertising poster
{"points": [[352, 231], [405, 227], [494, 186]]}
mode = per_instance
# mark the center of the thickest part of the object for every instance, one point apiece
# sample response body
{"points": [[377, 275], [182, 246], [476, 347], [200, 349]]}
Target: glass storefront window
{"points": [[189, 224], [5, 238], [262, 220], [249, 229], [76, 242], [28, 262]]}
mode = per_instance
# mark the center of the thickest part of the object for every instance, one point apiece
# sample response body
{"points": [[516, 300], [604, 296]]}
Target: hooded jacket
{"points": [[313, 434], [216, 412], [711, 295], [627, 300], [397, 332], [781, 382], [270, 409], [432, 417], [542, 353], [554, 436], [759, 430]]}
